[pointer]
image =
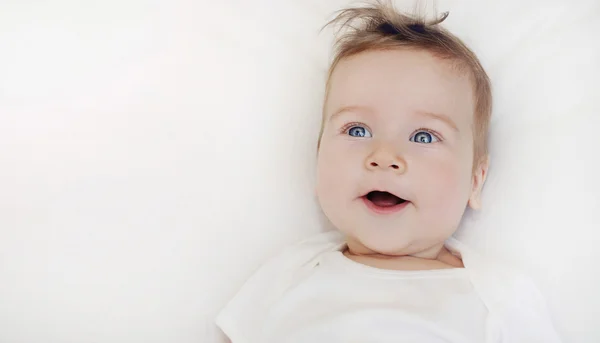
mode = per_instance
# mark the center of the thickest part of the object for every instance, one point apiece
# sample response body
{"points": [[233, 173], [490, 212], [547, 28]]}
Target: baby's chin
{"points": [[395, 246]]}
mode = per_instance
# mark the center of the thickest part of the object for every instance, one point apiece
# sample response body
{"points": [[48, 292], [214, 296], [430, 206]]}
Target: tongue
{"points": [[384, 199]]}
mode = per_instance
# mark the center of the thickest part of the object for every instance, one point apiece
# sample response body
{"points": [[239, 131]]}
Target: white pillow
{"points": [[152, 155]]}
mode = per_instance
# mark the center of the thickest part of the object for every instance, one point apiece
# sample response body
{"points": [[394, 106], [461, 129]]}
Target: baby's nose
{"points": [[384, 159]]}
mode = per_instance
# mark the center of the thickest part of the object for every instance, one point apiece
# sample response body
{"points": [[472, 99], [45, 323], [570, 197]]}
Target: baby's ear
{"points": [[478, 179]]}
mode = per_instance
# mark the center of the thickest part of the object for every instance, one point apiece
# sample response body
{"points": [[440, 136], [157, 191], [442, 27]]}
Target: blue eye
{"points": [[359, 131], [423, 137]]}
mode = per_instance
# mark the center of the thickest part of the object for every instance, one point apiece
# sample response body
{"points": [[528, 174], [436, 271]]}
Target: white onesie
{"points": [[313, 293]]}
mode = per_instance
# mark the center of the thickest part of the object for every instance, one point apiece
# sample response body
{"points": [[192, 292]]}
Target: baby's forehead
{"points": [[400, 79]]}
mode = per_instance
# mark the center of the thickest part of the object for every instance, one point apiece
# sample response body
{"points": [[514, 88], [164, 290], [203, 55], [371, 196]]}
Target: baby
{"points": [[402, 154]]}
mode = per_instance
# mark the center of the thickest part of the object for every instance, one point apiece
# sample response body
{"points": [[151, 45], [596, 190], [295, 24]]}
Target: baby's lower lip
{"points": [[384, 210]]}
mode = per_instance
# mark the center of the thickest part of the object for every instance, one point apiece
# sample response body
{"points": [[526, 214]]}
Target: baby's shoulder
{"points": [[491, 277], [241, 315], [292, 260], [518, 308], [305, 253]]}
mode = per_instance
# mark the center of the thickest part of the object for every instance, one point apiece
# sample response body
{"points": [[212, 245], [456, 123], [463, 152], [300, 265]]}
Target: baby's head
{"points": [[403, 144]]}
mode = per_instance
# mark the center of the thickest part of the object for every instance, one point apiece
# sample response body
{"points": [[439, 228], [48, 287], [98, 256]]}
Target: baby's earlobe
{"points": [[475, 202]]}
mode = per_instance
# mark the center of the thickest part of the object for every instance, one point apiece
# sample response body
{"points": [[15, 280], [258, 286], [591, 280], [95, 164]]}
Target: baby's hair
{"points": [[379, 26]]}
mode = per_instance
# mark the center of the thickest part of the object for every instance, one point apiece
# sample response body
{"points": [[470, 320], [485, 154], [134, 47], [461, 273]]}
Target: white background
{"points": [[154, 153]]}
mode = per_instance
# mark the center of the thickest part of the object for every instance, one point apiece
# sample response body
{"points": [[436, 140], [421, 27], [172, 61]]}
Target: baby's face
{"points": [[396, 156]]}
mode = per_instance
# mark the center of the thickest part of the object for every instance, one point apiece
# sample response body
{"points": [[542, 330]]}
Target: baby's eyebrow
{"points": [[441, 117], [437, 116], [354, 108]]}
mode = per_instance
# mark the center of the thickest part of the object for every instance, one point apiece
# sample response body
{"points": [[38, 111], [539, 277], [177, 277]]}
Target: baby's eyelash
{"points": [[430, 131], [347, 127]]}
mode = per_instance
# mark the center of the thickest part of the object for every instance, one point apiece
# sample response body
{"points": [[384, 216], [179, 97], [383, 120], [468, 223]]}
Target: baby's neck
{"points": [[443, 259]]}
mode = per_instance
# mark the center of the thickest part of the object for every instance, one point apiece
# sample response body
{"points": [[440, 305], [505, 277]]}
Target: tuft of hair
{"points": [[379, 26]]}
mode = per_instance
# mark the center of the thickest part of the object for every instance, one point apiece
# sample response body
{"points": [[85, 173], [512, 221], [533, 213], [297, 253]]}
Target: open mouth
{"points": [[384, 202]]}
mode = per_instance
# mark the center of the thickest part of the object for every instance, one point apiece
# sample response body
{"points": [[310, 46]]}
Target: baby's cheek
{"points": [[331, 173], [449, 183]]}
